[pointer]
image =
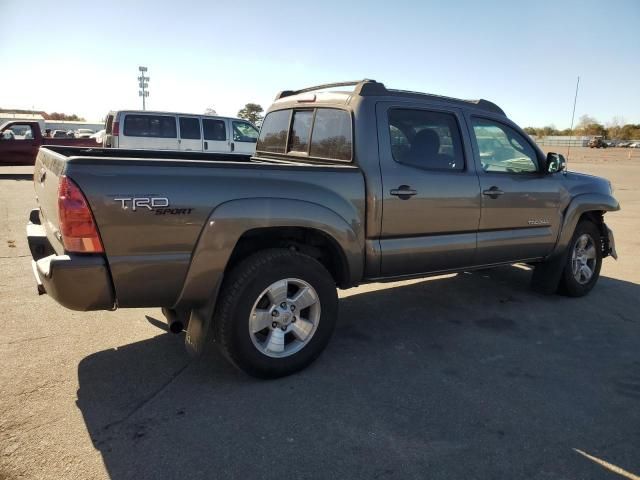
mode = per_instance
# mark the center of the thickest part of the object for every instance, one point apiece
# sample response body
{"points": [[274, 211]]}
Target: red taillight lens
{"points": [[115, 129], [79, 231]]}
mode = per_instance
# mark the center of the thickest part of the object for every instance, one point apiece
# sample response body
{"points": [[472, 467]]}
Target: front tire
{"points": [[583, 261], [276, 313]]}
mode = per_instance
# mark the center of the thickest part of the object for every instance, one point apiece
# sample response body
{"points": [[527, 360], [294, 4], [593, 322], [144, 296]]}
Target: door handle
{"points": [[206, 145], [404, 192], [232, 147], [493, 192]]}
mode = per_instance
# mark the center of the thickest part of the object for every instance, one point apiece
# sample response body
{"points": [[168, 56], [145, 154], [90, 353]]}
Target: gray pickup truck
{"points": [[363, 184]]}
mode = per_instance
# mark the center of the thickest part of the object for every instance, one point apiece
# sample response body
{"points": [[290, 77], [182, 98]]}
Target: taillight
{"points": [[115, 130], [78, 230]]}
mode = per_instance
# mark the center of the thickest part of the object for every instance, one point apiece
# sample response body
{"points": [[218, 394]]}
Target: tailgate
{"points": [[49, 167]]}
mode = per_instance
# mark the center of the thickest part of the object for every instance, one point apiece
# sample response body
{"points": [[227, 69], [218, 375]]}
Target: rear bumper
{"points": [[78, 282]]}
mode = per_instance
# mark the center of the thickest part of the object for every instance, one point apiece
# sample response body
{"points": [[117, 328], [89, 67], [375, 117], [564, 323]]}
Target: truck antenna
{"points": [[575, 100]]}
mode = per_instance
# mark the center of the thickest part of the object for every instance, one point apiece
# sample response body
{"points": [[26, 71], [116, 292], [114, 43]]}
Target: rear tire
{"points": [[276, 313], [583, 261]]}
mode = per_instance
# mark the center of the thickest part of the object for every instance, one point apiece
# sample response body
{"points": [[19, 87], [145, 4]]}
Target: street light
{"points": [[143, 84]]}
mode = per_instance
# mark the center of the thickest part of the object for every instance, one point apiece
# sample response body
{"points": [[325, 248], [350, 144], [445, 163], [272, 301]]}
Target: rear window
{"points": [[331, 137], [215, 130], [273, 134], [160, 126], [300, 130], [322, 133]]}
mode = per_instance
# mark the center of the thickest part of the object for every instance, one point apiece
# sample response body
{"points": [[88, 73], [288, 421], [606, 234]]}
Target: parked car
{"points": [[59, 134], [136, 129], [8, 134], [597, 142], [634, 145], [345, 188], [98, 136], [84, 133], [624, 144], [22, 149]]}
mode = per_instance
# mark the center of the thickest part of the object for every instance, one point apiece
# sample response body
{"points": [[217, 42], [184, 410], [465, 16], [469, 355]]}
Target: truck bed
{"points": [[119, 154], [149, 250]]}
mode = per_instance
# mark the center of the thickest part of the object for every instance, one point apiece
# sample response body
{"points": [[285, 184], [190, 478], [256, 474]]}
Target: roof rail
{"points": [[368, 87], [362, 87]]}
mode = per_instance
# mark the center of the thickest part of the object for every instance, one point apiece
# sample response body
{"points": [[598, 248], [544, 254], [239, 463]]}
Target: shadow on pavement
{"points": [[472, 376]]}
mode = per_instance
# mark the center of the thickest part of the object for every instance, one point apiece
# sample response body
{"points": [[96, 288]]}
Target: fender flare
{"points": [[230, 220], [588, 202]]}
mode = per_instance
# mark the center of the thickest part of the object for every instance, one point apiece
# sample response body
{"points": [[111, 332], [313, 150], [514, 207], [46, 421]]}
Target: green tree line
{"points": [[588, 126]]}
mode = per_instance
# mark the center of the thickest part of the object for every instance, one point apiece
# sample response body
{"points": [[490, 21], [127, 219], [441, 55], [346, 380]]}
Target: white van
{"points": [[142, 129]]}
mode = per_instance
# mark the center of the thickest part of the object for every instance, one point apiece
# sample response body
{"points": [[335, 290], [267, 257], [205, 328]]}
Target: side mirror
{"points": [[555, 163]]}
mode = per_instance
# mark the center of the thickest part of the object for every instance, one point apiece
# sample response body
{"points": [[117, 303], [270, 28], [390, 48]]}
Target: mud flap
{"points": [[546, 276], [197, 331]]}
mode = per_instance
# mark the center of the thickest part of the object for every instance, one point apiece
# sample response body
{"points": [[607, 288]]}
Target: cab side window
{"points": [[502, 149], [17, 132], [425, 139]]}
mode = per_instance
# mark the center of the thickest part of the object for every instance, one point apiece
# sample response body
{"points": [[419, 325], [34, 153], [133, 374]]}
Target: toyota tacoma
{"points": [[347, 186]]}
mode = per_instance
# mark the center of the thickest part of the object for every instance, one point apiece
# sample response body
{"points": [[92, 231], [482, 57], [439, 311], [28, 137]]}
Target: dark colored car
{"points": [[597, 142]]}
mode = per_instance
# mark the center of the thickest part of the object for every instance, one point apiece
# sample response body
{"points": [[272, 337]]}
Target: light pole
{"points": [[142, 83]]}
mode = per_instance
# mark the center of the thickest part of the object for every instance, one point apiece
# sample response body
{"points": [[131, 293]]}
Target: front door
{"points": [[431, 197], [216, 137], [245, 137], [521, 211], [190, 135]]}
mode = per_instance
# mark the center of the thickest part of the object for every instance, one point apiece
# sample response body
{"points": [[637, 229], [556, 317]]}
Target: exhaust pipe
{"points": [[177, 321]]}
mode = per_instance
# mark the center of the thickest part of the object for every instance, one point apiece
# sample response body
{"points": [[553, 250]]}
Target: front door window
{"points": [[502, 149]]}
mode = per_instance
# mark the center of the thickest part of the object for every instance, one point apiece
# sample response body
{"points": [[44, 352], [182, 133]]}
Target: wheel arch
{"points": [[590, 206], [238, 228]]}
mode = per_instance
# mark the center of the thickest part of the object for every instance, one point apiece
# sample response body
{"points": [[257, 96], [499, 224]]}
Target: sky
{"points": [[83, 57]]}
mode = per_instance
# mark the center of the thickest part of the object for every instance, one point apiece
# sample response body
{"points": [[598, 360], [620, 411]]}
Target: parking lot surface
{"points": [[461, 376]]}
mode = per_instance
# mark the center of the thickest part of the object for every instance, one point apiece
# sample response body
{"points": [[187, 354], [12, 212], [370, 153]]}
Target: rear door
{"points": [[520, 204], [245, 137], [190, 134], [216, 135], [431, 196]]}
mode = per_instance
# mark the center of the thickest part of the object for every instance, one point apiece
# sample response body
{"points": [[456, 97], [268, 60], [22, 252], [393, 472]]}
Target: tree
{"points": [[630, 132], [63, 116], [210, 111], [589, 126], [585, 120], [252, 112], [614, 127]]}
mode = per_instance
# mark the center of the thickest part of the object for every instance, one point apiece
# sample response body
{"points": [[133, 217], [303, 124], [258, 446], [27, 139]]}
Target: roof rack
{"points": [[362, 87], [367, 87]]}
